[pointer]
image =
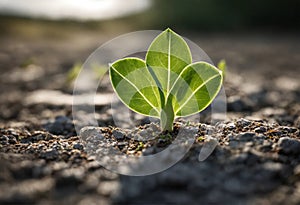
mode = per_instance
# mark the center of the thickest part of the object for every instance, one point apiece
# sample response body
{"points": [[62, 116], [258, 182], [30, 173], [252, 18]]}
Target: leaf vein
{"points": [[169, 63], [133, 85], [196, 90]]}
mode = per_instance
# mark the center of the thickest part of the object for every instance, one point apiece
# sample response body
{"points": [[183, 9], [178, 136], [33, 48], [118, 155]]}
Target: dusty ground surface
{"points": [[256, 161]]}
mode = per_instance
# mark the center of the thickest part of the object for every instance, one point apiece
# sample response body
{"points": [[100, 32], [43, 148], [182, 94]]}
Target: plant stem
{"points": [[167, 116]]}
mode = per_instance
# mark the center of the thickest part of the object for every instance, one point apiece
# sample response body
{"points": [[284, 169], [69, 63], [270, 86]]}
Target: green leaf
{"points": [[195, 88], [167, 84], [167, 55], [135, 86]]}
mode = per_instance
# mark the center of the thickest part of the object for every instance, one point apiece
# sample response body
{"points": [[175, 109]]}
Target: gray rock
{"points": [[12, 140], [243, 122], [260, 129], [247, 136], [87, 132], [288, 145], [50, 154], [119, 135], [78, 146], [234, 144], [231, 126], [59, 126], [4, 140]]}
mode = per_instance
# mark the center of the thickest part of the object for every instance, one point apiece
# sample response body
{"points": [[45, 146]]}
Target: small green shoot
{"points": [[98, 70], [222, 66], [167, 84], [73, 72], [167, 137], [27, 62], [140, 146], [200, 139]]}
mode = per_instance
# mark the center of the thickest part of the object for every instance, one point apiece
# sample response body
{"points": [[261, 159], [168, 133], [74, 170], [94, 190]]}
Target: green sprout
{"points": [[140, 146], [200, 139], [73, 72], [166, 136], [222, 66], [27, 62], [167, 84], [98, 70]]}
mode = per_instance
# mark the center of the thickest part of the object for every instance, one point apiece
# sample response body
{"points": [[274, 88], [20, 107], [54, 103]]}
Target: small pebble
{"points": [[247, 136], [260, 129], [288, 145], [78, 146], [50, 154], [118, 134], [243, 122], [231, 126]]}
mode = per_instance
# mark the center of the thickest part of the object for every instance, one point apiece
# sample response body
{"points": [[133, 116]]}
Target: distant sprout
{"points": [[73, 72], [166, 136], [27, 62], [167, 84], [222, 66], [200, 139], [98, 70], [140, 146]]}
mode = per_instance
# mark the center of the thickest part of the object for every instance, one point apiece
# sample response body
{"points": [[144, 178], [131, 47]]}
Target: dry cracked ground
{"points": [[256, 160]]}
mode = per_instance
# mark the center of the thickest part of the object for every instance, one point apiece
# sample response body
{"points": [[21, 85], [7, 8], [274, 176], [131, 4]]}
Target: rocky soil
{"points": [[256, 160]]}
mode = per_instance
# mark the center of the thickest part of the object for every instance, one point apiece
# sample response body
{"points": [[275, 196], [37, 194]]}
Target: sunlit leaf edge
{"points": [[177, 35], [213, 97], [110, 65]]}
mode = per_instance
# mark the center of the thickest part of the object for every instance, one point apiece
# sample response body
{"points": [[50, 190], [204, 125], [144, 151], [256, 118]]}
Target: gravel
{"points": [[246, 165]]}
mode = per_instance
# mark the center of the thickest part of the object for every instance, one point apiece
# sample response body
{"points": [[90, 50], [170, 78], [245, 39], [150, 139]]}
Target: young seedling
{"points": [[223, 67], [165, 85]]}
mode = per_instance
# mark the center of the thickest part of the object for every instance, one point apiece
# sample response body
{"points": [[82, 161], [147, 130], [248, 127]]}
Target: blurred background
{"points": [[204, 15]]}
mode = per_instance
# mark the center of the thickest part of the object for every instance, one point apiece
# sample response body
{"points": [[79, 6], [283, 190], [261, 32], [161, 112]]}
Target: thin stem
{"points": [[167, 116]]}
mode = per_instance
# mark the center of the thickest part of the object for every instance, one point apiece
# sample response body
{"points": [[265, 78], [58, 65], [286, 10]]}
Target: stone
{"points": [[50, 154], [288, 146], [4, 140], [260, 129], [78, 146], [247, 136], [231, 126], [61, 125], [91, 132], [234, 144], [243, 122], [119, 135]]}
